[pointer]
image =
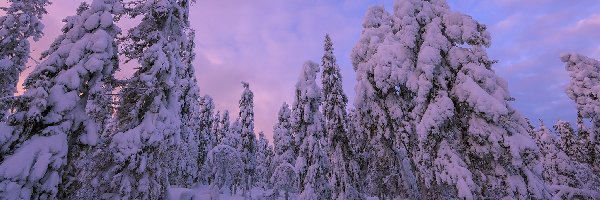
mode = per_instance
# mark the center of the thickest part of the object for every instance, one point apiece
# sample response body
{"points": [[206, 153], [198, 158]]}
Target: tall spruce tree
{"points": [[150, 118], [312, 164], [345, 169], [283, 140], [22, 21], [207, 137], [585, 76], [439, 120], [248, 138], [64, 108]]}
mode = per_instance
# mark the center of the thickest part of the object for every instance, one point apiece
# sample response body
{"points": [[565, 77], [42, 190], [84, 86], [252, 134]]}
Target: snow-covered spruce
{"points": [[65, 109], [247, 146], [428, 98], [284, 180], [565, 177], [264, 159], [22, 21], [583, 89], [150, 117], [184, 156], [206, 136], [283, 140], [344, 168], [312, 164], [223, 127], [223, 168]]}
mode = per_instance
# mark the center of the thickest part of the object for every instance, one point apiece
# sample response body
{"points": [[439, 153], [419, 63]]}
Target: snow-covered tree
{"points": [[223, 127], [438, 118], [233, 136], [312, 164], [568, 139], [22, 21], [283, 140], [264, 158], [284, 180], [150, 114], [344, 168], [184, 155], [583, 89], [247, 146], [64, 108], [566, 177], [216, 126], [223, 168], [207, 137]]}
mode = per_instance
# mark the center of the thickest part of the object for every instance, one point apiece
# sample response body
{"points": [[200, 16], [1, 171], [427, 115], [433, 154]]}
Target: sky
{"points": [[265, 42]]}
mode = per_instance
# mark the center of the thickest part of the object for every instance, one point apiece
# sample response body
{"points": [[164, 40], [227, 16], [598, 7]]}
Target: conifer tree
{"points": [[64, 108], [22, 21], [151, 119], [207, 137], [248, 138], [585, 76], [344, 176], [438, 118], [312, 164], [283, 140], [264, 158]]}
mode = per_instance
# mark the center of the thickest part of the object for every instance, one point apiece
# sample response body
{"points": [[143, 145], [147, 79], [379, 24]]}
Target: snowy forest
{"points": [[430, 120]]}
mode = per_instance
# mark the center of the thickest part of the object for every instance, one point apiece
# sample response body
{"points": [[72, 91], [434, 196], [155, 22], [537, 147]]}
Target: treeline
{"points": [[431, 119]]}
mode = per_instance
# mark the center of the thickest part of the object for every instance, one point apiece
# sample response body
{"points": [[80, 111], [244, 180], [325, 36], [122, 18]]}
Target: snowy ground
{"points": [[204, 192]]}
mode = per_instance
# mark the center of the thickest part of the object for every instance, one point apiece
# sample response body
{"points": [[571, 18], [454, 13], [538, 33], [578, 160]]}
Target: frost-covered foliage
{"points": [[247, 146], [312, 164], [283, 140], [584, 90], [65, 107], [566, 178], [264, 160], [223, 168], [284, 180], [233, 136], [344, 168], [22, 21], [223, 127], [428, 98], [583, 87], [151, 119], [184, 155], [206, 136], [568, 139]]}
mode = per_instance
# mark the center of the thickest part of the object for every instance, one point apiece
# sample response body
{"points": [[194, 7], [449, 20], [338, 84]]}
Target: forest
{"points": [[430, 120]]}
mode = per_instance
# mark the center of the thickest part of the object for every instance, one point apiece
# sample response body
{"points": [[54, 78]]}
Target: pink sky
{"points": [[265, 42]]}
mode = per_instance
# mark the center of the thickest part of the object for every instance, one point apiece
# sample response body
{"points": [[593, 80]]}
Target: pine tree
{"points": [[283, 140], [344, 177], [264, 158], [184, 155], [151, 109], [233, 137], [585, 76], [223, 127], [312, 163], [22, 21], [248, 139], [284, 180], [428, 98], [566, 177], [64, 108], [568, 139], [223, 168], [207, 137]]}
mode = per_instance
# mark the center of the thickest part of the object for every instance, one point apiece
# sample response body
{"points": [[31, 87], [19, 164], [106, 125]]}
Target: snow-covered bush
{"points": [[223, 168], [284, 180]]}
